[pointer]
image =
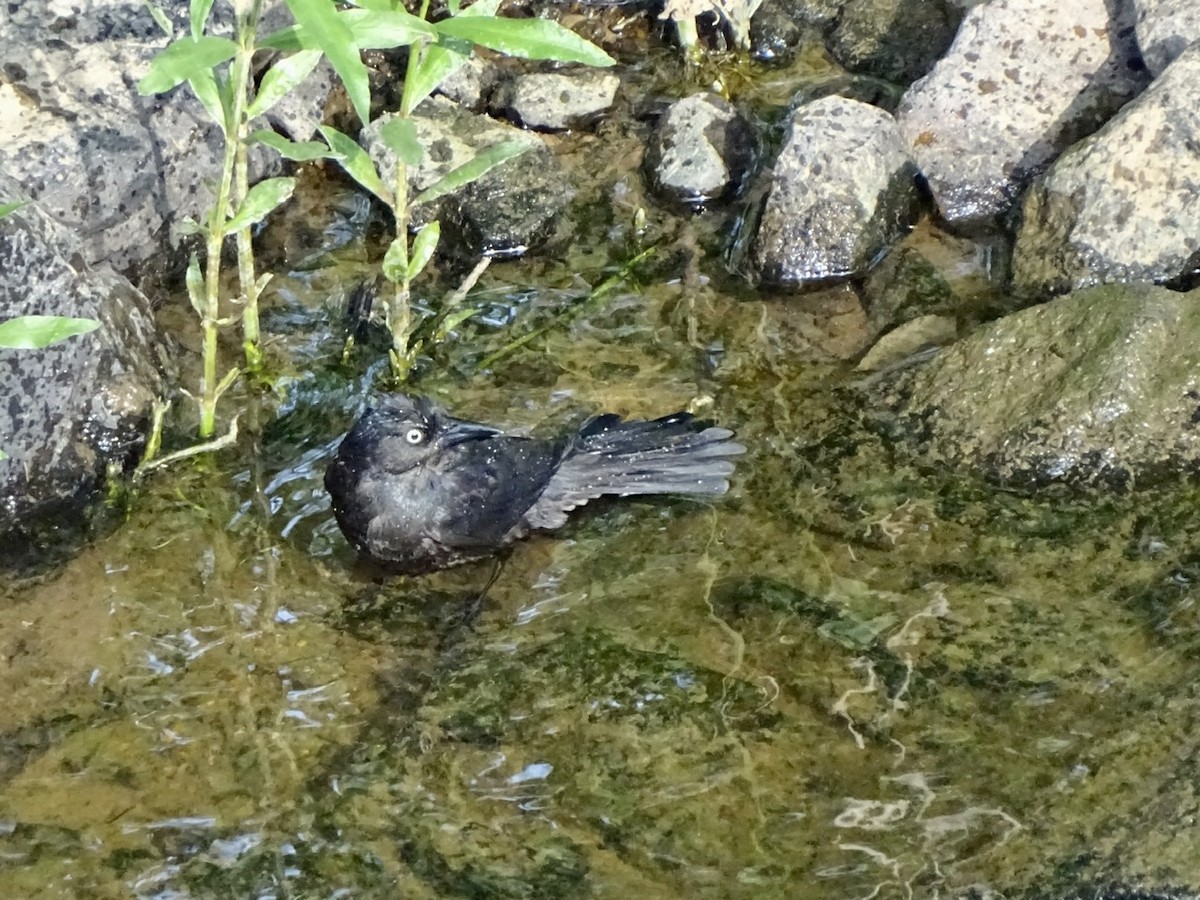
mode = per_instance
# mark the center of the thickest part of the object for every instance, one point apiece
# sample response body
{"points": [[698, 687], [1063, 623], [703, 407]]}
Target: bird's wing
{"points": [[494, 483]]}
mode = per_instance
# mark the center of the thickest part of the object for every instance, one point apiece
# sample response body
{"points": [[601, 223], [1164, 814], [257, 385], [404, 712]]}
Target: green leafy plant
{"points": [[436, 51], [218, 71]]}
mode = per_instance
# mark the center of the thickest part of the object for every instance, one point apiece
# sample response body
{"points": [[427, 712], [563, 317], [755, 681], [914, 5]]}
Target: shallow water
{"points": [[853, 677]]}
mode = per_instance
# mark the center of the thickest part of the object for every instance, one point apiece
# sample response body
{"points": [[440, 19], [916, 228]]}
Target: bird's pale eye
{"points": [[415, 436]]}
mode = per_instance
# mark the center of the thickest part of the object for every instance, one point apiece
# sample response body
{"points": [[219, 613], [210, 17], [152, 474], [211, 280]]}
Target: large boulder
{"points": [[1165, 28], [1023, 80], [1098, 387], [122, 170], [1121, 205], [76, 410], [841, 192]]}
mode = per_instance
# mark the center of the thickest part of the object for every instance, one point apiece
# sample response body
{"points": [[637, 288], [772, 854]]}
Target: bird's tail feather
{"points": [[671, 455]]}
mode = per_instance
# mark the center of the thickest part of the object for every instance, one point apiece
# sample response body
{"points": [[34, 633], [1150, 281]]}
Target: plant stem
{"points": [[247, 31], [399, 313]]}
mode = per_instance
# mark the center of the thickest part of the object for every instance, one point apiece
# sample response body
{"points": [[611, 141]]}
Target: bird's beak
{"points": [[458, 431]]}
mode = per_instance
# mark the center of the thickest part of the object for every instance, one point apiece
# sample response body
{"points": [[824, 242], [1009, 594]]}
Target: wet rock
{"points": [[73, 410], [934, 273], [914, 336], [1165, 28], [897, 40], [556, 102], [1023, 80], [701, 150], [511, 209], [469, 85], [780, 27], [1101, 386], [116, 166], [842, 190], [1120, 206]]}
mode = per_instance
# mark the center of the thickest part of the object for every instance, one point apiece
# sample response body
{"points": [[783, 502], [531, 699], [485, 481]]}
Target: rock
{"points": [[513, 208], [702, 149], [931, 272], [1165, 28], [75, 409], [910, 338], [897, 40], [469, 85], [115, 166], [1120, 206], [556, 102], [1098, 387], [841, 192], [1023, 80], [779, 27]]}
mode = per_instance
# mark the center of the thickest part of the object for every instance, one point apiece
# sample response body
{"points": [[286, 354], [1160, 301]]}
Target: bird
{"points": [[415, 489]]}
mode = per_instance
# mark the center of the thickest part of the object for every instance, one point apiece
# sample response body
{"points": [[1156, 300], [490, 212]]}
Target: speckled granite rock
{"points": [[841, 191], [1165, 28], [1023, 80], [556, 102], [99, 158], [1101, 386], [1120, 206], [701, 149], [74, 409]]}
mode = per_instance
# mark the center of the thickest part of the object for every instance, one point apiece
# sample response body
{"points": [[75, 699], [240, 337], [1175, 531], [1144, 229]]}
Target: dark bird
{"points": [[416, 489]]}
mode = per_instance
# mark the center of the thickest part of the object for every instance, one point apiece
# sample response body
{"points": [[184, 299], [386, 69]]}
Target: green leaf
{"points": [[525, 38], [472, 170], [371, 29], [260, 200], [182, 60], [320, 19], [198, 15], [7, 209], [395, 261], [3, 455], [400, 135], [281, 78], [356, 162], [36, 332], [297, 151], [452, 321], [438, 63], [423, 246], [195, 286], [160, 19], [443, 59], [212, 97]]}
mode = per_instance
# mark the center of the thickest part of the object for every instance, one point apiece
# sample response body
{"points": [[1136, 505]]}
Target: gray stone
{"points": [[1165, 28], [841, 192], [702, 149], [1100, 386], [116, 166], [897, 40], [556, 102], [511, 209], [73, 410], [779, 27], [1120, 206], [470, 84], [1023, 80]]}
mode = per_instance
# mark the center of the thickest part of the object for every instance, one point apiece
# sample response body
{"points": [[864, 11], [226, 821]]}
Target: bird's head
{"points": [[398, 432]]}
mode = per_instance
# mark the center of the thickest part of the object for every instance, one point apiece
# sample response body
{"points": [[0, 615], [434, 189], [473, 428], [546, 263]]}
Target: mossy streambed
{"points": [[852, 678]]}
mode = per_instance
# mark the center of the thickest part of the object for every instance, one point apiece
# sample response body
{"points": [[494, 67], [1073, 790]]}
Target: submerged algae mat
{"points": [[848, 679]]}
